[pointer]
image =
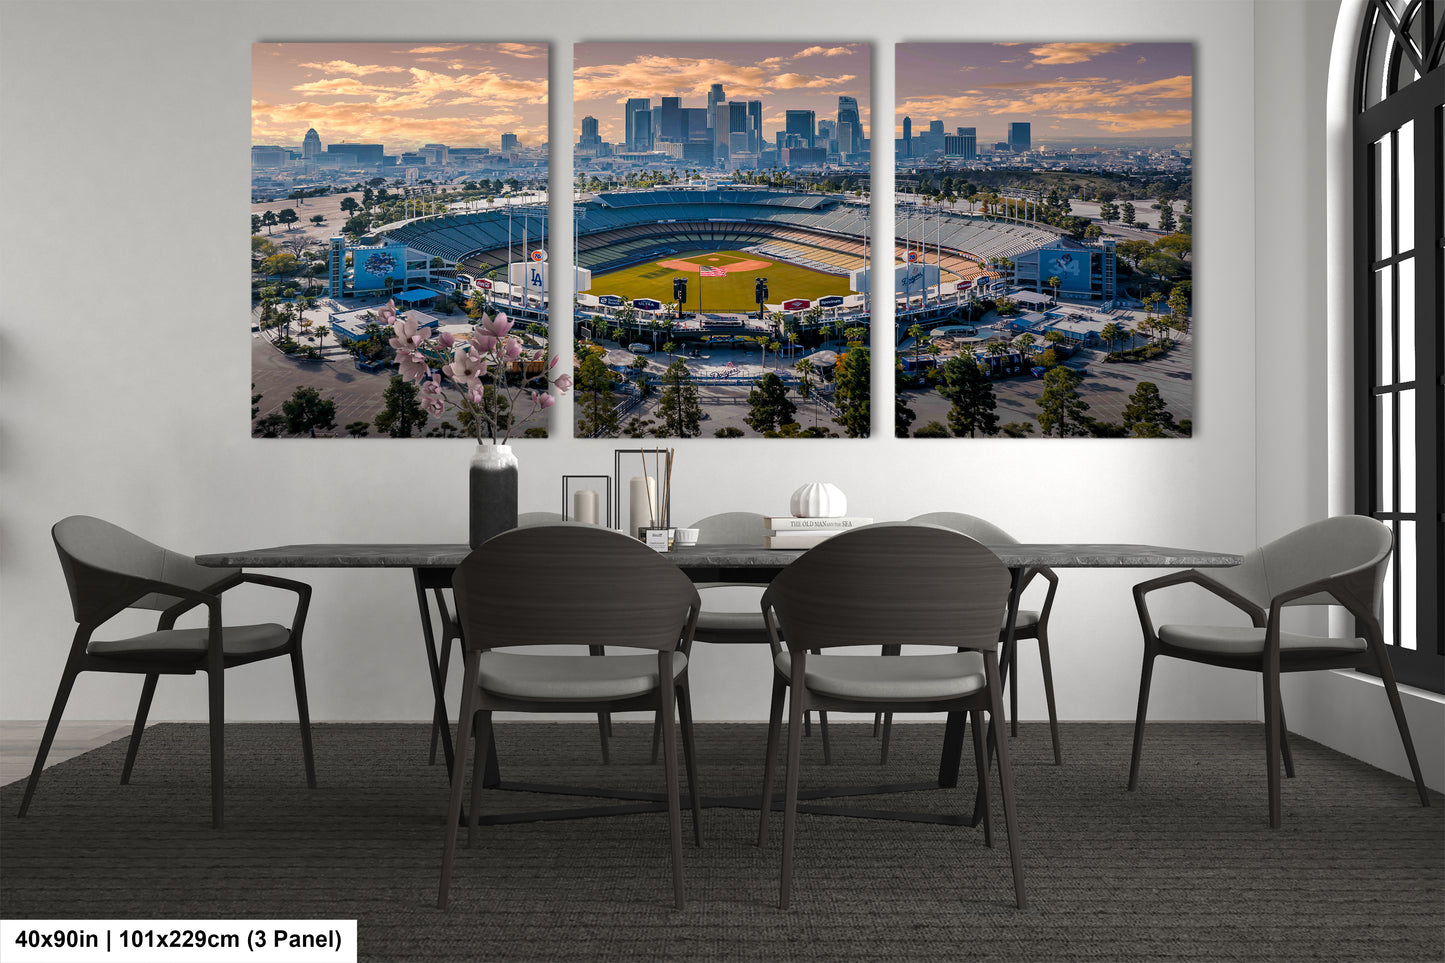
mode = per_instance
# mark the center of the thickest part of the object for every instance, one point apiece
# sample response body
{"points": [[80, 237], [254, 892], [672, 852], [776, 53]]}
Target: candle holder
{"points": [[601, 485], [655, 463]]}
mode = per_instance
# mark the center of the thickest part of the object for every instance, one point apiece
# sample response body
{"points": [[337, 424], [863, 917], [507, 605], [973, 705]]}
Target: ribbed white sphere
{"points": [[819, 500]]}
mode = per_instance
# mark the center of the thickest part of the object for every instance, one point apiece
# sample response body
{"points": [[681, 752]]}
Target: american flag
{"points": [[711, 272]]}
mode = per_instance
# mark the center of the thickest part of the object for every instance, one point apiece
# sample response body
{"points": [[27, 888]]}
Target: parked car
{"points": [[640, 348]]}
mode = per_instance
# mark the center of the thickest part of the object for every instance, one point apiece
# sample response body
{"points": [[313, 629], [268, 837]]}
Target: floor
{"points": [[20, 740]]}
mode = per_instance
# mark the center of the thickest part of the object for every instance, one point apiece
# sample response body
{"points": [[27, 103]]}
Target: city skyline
{"points": [[783, 76], [1068, 91], [400, 95]]}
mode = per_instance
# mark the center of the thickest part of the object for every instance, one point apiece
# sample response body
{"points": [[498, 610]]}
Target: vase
{"points": [[492, 493]]}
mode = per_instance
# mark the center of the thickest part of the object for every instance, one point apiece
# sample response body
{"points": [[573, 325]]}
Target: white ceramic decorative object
{"points": [[819, 500]]}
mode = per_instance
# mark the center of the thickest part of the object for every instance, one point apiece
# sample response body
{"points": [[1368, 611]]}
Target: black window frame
{"points": [[1397, 40]]}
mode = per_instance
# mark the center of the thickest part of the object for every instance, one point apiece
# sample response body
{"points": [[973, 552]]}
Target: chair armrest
{"points": [[1196, 577], [1053, 580], [770, 622], [303, 598]]}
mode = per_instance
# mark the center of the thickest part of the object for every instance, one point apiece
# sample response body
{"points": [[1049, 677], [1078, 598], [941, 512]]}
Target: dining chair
{"points": [[1340, 560], [451, 637], [574, 586], [887, 584], [735, 626], [109, 570], [1029, 624]]}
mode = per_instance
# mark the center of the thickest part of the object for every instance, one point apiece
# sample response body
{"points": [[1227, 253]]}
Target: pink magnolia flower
{"points": [[447, 339], [432, 385], [563, 382], [477, 395], [510, 350], [553, 363], [433, 404], [412, 364], [542, 400], [497, 327], [464, 369], [388, 313], [484, 342]]}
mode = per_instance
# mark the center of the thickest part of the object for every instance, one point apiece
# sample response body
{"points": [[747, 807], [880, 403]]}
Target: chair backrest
{"points": [[974, 527], [572, 585], [731, 528], [1318, 550], [100, 560], [894, 583]]}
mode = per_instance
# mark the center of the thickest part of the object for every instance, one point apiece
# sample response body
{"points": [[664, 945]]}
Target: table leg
{"points": [[434, 665]]}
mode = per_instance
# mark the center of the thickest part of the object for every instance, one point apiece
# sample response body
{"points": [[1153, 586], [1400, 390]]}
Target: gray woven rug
{"points": [[1185, 869]]}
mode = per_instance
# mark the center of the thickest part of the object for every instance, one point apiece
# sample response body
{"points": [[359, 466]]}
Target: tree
{"points": [[403, 414], [596, 403], [270, 426], [769, 405], [851, 392], [349, 205], [287, 217], [1060, 406], [306, 410], [358, 429], [268, 218], [1111, 334], [1145, 413], [678, 405], [903, 416], [1108, 212], [1054, 283], [934, 429], [1179, 307], [1166, 219], [1127, 214], [729, 432], [318, 219], [806, 370], [967, 385]]}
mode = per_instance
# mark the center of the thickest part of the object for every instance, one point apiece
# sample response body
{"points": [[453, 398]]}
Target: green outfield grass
{"points": [[733, 293]]}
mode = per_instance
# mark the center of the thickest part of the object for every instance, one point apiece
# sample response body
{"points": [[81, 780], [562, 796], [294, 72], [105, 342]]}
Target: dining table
{"points": [[432, 565]]}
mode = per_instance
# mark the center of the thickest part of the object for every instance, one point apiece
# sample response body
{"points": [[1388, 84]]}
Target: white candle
{"points": [[584, 506], [643, 497]]}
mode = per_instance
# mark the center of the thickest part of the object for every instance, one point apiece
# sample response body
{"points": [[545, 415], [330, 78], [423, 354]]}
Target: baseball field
{"points": [[733, 292]]}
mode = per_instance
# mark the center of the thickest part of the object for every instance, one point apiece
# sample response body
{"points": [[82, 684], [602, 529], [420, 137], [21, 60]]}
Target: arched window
{"points": [[1399, 189]]}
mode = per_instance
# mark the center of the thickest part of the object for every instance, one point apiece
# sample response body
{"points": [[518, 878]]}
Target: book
{"points": [[797, 540], [787, 523]]}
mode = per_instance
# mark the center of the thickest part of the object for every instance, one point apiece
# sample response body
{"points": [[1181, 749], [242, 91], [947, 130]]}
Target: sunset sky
{"points": [[784, 76], [399, 95], [1067, 91]]}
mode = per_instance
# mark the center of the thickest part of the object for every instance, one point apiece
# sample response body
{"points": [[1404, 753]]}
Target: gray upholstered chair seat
{"points": [[184, 645], [1028, 619], [579, 677], [1247, 640], [921, 677]]}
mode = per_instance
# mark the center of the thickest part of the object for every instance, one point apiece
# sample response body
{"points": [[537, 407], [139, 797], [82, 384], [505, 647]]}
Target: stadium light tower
{"points": [[760, 294], [679, 294]]}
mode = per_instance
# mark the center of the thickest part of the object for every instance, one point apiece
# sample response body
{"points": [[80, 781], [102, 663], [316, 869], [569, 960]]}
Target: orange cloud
{"points": [[526, 51], [823, 52], [347, 67], [1138, 120], [1071, 53], [1181, 87]]}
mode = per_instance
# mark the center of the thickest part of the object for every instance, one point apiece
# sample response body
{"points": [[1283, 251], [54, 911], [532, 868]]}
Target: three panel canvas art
{"points": [[1034, 278]]}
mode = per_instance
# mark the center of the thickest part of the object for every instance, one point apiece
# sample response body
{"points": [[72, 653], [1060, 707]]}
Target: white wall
{"points": [[124, 363]]}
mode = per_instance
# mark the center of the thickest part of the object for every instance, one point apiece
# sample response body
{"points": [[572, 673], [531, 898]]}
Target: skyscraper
{"points": [[907, 137], [671, 126], [737, 127], [509, 142], [755, 126], [311, 146], [970, 142], [935, 127], [802, 123], [629, 120], [642, 130], [715, 96], [1020, 137], [850, 142]]}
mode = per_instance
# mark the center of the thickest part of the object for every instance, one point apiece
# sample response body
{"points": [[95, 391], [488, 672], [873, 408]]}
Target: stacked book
{"points": [[796, 533]]}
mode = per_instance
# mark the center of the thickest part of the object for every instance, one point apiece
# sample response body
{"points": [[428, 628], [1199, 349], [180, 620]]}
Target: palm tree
{"points": [[1054, 283], [1111, 333], [806, 370], [916, 333]]}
